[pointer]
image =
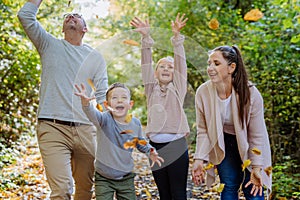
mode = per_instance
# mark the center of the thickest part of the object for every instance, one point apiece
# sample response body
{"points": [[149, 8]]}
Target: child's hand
{"points": [[141, 27], [256, 181], [85, 100], [179, 23], [155, 158]]}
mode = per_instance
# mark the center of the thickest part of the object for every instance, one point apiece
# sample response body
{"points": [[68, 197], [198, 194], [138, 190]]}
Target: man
{"points": [[65, 135]]}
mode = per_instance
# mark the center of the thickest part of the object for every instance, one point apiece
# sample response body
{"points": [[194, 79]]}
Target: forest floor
{"points": [[28, 180]]}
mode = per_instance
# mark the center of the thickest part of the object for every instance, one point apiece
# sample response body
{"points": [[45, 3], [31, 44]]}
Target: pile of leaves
{"points": [[25, 177]]}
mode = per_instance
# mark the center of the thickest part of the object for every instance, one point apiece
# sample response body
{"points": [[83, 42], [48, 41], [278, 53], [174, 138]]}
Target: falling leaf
{"points": [[131, 42], [268, 170], [97, 16], [253, 15], [216, 171], [69, 3], [213, 24], [90, 82], [128, 117], [126, 131], [129, 144], [142, 142], [221, 187], [208, 166], [218, 188], [256, 151], [246, 164], [99, 107]]}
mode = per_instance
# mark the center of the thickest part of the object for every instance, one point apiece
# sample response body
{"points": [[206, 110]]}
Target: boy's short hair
{"points": [[116, 85]]}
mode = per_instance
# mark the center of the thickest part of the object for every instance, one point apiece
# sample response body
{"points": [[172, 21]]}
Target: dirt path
{"points": [[26, 178]]}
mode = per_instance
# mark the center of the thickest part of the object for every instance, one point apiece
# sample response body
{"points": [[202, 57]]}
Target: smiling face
{"points": [[164, 71], [218, 70], [118, 99], [74, 21]]}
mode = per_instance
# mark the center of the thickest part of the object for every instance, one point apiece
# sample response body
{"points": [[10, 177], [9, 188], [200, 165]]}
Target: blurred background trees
{"points": [[270, 46]]}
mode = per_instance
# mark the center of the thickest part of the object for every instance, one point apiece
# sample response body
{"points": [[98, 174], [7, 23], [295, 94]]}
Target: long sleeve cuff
{"points": [[176, 41], [147, 41]]}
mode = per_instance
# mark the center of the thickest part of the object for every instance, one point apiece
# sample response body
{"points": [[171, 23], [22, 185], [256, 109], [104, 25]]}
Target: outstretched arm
{"points": [[178, 24], [85, 100], [180, 74], [141, 27]]}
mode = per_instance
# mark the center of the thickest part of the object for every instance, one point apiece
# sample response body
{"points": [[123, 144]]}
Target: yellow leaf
{"points": [[147, 193], [90, 82], [256, 151], [128, 118], [131, 42], [218, 188], [246, 164], [99, 107], [213, 24], [208, 166], [253, 15], [221, 187], [268, 170]]}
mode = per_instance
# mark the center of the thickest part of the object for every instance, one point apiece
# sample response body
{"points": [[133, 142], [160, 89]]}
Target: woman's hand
{"points": [[141, 27], [179, 23], [198, 172], [256, 181], [85, 100]]}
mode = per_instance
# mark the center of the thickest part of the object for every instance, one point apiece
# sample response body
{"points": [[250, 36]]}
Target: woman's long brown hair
{"points": [[239, 76]]}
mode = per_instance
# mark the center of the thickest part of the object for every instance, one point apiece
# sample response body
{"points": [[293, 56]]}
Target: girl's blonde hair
{"points": [[166, 59]]}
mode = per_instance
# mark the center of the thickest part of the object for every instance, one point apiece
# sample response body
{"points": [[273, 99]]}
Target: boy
{"points": [[116, 141]]}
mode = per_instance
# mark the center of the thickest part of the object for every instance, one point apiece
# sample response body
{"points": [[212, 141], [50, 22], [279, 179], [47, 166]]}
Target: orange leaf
{"points": [[90, 82], [99, 107], [131, 42], [142, 142], [129, 145], [213, 24], [126, 131], [268, 170], [256, 151], [253, 15]]}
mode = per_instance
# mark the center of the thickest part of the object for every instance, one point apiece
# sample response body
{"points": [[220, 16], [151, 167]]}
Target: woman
{"points": [[231, 129]]}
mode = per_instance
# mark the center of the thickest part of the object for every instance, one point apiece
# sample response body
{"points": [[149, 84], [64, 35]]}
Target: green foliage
{"points": [[19, 77], [20, 70], [286, 178]]}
